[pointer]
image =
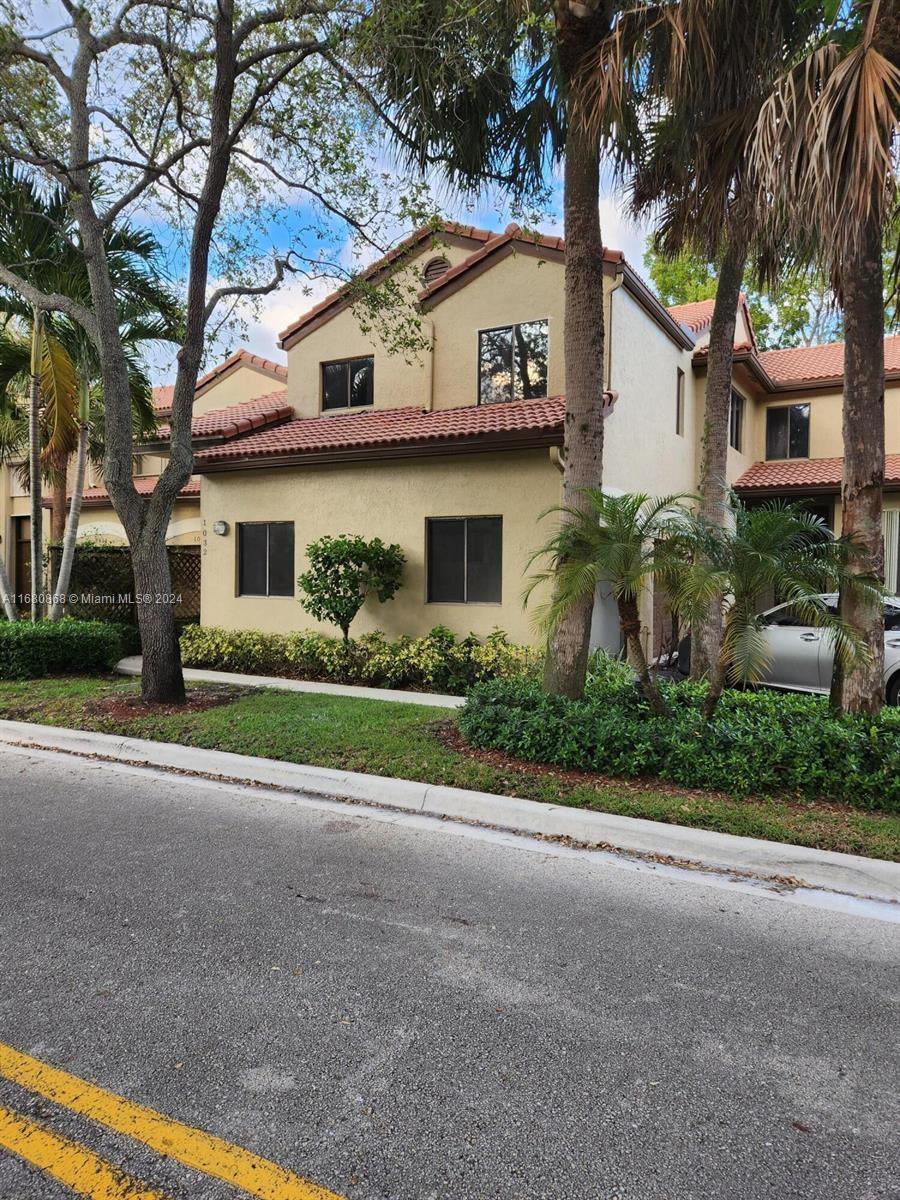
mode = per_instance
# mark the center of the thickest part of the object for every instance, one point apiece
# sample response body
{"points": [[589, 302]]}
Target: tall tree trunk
{"points": [[862, 685], [579, 29], [58, 510], [162, 680], [70, 537], [706, 638], [7, 597], [630, 622], [34, 466]]}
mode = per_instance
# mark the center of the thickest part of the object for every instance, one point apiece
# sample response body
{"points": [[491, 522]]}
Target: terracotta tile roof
{"points": [[340, 296], [702, 352], [144, 485], [803, 474], [243, 358], [382, 430], [163, 396], [697, 316], [808, 364], [238, 419]]}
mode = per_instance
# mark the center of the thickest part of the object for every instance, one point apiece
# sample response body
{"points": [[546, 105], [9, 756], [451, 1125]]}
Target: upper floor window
{"points": [[465, 559], [736, 421], [679, 402], [787, 431], [266, 558], [348, 383], [512, 362]]}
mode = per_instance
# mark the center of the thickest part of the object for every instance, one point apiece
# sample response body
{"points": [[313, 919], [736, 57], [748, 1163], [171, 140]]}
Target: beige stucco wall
{"points": [[738, 461], [399, 381], [390, 500], [825, 439], [243, 383], [517, 288], [103, 523]]}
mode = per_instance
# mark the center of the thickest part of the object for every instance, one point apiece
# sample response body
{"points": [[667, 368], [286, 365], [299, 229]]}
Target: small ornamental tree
{"points": [[343, 572]]}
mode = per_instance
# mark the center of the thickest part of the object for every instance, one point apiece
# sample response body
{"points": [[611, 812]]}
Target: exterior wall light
{"points": [[221, 528]]}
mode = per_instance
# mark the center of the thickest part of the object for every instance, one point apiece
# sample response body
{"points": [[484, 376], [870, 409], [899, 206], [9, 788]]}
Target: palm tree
{"points": [[824, 150], [774, 549], [697, 72], [34, 362], [622, 541], [486, 89], [63, 366]]}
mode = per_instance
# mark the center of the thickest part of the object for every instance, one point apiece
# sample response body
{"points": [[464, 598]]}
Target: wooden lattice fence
{"points": [[102, 583]]}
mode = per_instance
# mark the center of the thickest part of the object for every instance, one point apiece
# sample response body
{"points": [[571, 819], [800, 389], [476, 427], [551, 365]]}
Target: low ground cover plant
{"points": [[757, 743], [28, 651], [438, 662]]}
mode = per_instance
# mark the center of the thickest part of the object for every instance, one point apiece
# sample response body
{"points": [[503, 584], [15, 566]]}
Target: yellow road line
{"points": [[75, 1166], [196, 1149]]}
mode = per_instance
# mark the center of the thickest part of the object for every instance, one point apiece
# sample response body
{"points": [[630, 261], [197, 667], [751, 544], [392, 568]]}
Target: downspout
{"points": [[616, 282], [429, 366]]}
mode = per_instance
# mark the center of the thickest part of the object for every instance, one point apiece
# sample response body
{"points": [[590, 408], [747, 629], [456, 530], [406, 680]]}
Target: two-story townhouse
{"points": [[455, 455], [786, 440]]}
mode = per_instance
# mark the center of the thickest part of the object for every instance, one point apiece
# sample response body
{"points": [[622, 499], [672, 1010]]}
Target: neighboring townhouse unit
{"points": [[227, 403]]}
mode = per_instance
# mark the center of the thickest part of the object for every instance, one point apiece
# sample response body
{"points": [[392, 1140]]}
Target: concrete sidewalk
{"points": [[784, 865], [132, 666]]}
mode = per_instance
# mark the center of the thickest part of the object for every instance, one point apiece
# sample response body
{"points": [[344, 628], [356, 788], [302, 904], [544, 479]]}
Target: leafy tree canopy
{"points": [[800, 313]]}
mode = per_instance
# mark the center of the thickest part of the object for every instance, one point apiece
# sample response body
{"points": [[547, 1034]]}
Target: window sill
{"points": [[464, 603], [342, 412]]}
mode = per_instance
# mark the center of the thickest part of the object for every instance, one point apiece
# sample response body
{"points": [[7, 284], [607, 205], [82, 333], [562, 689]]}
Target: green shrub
{"points": [[438, 662], [66, 647], [343, 572], [758, 743]]}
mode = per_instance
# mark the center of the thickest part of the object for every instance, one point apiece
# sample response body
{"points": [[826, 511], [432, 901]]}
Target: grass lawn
{"points": [[411, 742]]}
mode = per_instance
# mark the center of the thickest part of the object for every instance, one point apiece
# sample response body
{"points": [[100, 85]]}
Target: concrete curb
{"points": [[846, 873], [132, 666]]}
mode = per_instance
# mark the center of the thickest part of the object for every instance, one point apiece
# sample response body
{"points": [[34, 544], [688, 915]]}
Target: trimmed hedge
{"points": [[438, 662], [66, 647], [758, 743]]}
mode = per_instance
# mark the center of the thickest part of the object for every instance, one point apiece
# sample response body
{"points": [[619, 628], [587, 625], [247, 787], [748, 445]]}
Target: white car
{"points": [[801, 656]]}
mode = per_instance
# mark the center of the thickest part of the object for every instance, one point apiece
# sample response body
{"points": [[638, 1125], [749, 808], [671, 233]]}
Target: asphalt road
{"points": [[402, 1013]]}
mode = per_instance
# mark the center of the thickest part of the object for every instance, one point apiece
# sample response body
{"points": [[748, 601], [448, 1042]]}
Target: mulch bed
{"points": [[125, 707]]}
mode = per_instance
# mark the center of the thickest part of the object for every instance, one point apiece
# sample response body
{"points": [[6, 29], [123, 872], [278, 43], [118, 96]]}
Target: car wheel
{"points": [[893, 689]]}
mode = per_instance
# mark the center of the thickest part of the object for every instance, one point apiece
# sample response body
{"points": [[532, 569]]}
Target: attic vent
{"points": [[434, 270]]}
